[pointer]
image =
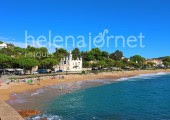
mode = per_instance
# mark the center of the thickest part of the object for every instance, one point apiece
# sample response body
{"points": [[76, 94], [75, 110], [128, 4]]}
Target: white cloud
{"points": [[12, 41], [22, 44]]}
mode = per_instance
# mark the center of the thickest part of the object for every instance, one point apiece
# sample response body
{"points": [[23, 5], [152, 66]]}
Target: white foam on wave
{"points": [[45, 116], [107, 82], [163, 73], [143, 76], [103, 81], [34, 94], [123, 79], [37, 92]]}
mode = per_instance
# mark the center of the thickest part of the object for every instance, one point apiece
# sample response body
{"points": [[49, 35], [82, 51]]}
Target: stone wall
{"points": [[8, 113]]}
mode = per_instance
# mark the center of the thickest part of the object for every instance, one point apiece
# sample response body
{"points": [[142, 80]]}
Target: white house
{"points": [[68, 64], [157, 62], [3, 45]]}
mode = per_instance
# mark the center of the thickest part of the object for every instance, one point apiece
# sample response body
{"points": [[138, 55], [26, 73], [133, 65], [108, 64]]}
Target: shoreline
{"points": [[5, 92]]}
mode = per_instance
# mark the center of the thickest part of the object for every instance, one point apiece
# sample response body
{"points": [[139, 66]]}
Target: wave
{"points": [[163, 73], [37, 92], [34, 94], [143, 76], [45, 117]]}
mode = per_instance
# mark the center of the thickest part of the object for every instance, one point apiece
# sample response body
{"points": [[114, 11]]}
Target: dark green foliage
{"points": [[117, 55], [76, 54], [27, 58], [137, 58], [5, 61], [166, 61], [86, 64], [60, 53], [48, 63], [28, 63]]}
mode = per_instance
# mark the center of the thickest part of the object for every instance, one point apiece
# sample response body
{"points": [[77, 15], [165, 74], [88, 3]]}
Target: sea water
{"points": [[143, 97]]}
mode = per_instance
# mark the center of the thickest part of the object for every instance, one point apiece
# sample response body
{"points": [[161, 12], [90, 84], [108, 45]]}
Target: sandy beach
{"points": [[7, 90]]}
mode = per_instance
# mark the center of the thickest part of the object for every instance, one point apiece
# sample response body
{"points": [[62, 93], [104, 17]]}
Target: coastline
{"points": [[5, 92]]}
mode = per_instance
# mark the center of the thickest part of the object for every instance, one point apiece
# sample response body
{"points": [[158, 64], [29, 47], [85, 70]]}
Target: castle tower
{"points": [[70, 56]]}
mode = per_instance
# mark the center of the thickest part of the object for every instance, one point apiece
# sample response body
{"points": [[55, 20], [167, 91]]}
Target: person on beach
{"points": [[53, 77], [38, 79], [0, 78]]}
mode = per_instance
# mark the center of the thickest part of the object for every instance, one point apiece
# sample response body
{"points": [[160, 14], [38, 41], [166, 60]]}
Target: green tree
{"points": [[31, 49], [7, 51], [166, 64], [138, 59], [102, 64], [151, 64], [86, 64], [96, 53], [110, 62], [76, 53], [88, 56], [93, 65], [117, 55], [20, 51], [132, 64], [105, 55], [60, 53], [28, 63], [119, 64], [49, 63], [166, 59], [38, 53], [15, 62], [5, 61]]}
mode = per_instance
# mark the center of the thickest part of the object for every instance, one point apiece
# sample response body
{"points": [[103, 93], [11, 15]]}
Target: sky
{"points": [[81, 17]]}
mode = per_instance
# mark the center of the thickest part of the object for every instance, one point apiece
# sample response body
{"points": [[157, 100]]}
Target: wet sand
{"points": [[35, 99], [8, 91]]}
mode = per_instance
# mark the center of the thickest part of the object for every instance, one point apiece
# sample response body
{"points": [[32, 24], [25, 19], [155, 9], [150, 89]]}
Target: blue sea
{"points": [[143, 97]]}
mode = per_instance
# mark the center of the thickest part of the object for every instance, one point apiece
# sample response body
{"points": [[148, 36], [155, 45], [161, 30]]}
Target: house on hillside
{"points": [[158, 62], [69, 64], [3, 45]]}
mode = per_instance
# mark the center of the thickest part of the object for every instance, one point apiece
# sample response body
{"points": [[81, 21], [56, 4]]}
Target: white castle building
{"points": [[69, 64]]}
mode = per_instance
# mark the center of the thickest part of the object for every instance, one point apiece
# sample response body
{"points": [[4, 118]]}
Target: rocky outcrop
{"points": [[28, 113]]}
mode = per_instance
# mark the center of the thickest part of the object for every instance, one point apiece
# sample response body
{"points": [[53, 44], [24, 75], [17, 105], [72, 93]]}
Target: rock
{"points": [[28, 113]]}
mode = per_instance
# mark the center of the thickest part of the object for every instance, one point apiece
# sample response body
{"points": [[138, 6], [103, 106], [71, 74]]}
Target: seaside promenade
{"points": [[8, 113]]}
